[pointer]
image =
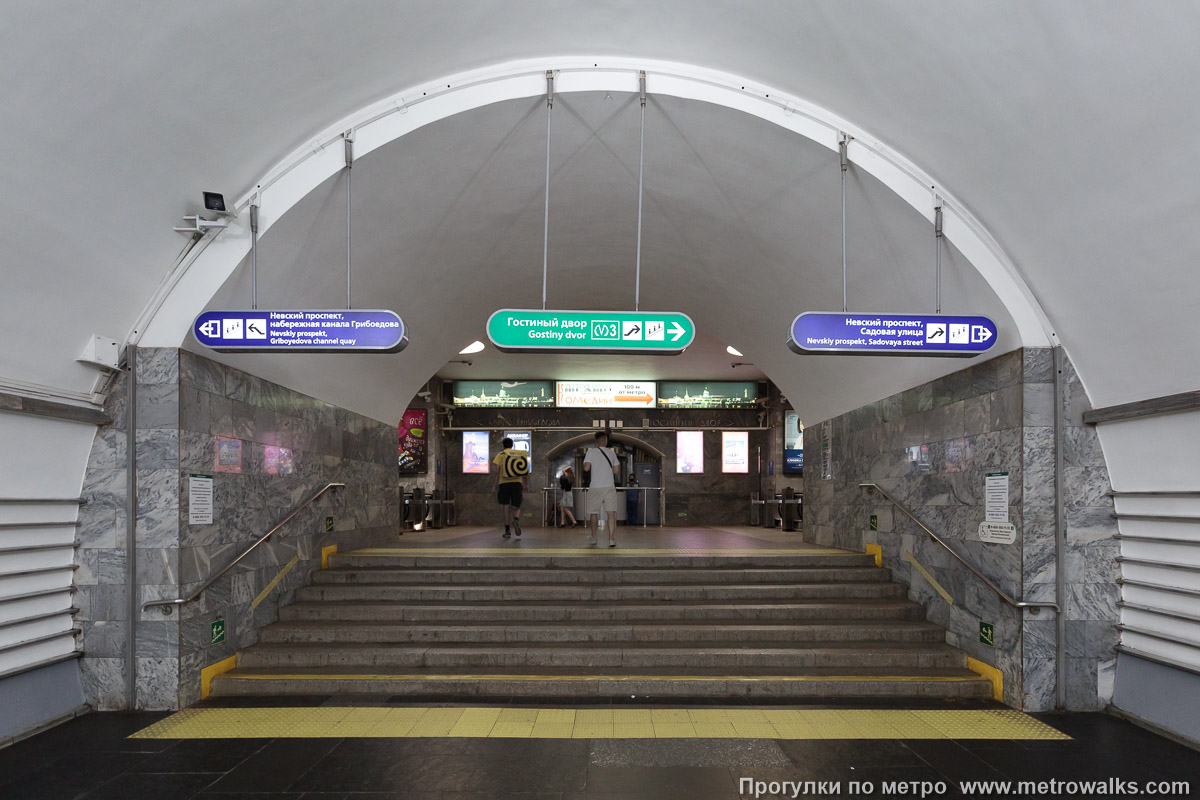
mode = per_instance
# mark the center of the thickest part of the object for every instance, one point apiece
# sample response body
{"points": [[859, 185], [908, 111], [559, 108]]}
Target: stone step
{"points": [[723, 655], [693, 683], [868, 609], [600, 593], [612, 633], [602, 558], [611, 575]]}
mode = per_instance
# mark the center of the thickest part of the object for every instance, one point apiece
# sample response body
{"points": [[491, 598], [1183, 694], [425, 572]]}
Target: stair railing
{"points": [[168, 605], [1003, 594]]}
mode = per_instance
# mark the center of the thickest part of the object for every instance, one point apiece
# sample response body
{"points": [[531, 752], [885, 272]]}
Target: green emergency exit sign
{"points": [[987, 634], [218, 631], [665, 333]]}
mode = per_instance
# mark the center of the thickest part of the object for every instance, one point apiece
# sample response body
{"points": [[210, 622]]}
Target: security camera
{"points": [[424, 395]]}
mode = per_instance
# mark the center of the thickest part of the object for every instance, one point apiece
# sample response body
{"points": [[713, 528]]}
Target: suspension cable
{"points": [[349, 139], [637, 292], [843, 142], [546, 222]]}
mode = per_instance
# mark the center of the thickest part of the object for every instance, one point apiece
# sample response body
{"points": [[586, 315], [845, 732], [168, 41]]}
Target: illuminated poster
{"points": [[413, 454], [504, 394], [689, 452], [735, 451], [521, 439], [707, 394], [228, 457], [278, 461], [606, 394], [475, 453], [793, 444]]}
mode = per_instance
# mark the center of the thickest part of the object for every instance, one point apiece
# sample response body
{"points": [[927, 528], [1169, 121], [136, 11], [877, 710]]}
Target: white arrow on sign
{"points": [[979, 333], [676, 330]]}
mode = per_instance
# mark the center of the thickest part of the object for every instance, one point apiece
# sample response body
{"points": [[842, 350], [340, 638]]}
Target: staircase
{"points": [[787, 625]]}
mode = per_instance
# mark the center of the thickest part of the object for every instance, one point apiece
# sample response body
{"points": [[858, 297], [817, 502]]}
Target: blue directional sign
{"points": [[841, 333], [302, 331]]}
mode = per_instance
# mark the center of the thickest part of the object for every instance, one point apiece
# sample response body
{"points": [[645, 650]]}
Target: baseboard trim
{"points": [[45, 726]]}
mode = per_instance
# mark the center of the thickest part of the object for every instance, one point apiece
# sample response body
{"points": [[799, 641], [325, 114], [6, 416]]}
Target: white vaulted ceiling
{"points": [[1067, 130]]}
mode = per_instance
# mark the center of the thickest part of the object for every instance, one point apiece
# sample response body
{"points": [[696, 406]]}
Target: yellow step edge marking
{"points": [[602, 723], [991, 673], [379, 552], [250, 676], [212, 671], [925, 573], [275, 581], [326, 552], [877, 551]]}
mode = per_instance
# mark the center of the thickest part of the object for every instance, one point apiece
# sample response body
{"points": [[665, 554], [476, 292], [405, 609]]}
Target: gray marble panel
{"points": [[1092, 601], [108, 449], [1038, 480], [158, 508], [1090, 525], [101, 528], [1038, 679], [1009, 368], [157, 684], [1006, 408], [985, 378], [201, 373], [100, 567], [157, 366], [977, 414], [102, 602], [220, 412], [1086, 487], [158, 407], [103, 682], [1081, 447], [951, 388], [1039, 404], [158, 638], [103, 638], [1082, 684], [157, 565], [1038, 365], [157, 449], [1091, 638]]}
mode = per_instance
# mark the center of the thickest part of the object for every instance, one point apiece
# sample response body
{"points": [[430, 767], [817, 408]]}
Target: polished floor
{"points": [[100, 757]]}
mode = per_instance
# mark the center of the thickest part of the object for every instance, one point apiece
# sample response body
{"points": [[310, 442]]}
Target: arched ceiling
{"points": [[1070, 134]]}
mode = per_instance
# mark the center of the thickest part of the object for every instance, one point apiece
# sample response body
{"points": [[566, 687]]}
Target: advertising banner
{"points": [[606, 394], [707, 394], [689, 452], [475, 453], [735, 451], [414, 457], [793, 444]]}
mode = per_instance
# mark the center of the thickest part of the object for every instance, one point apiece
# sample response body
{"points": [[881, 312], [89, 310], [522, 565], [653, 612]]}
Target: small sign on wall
{"points": [[218, 631], [996, 497], [874, 522], [997, 532], [987, 634], [200, 499], [329, 524]]}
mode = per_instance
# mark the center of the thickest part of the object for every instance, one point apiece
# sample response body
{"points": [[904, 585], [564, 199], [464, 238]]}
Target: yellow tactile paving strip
{"points": [[456, 676], [391, 552], [598, 723]]}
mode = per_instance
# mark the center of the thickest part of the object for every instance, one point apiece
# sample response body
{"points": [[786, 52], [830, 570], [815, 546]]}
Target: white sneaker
{"points": [[591, 540]]}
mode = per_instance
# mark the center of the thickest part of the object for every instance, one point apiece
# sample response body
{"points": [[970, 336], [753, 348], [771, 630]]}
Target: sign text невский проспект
{"points": [[834, 333], [350, 330]]}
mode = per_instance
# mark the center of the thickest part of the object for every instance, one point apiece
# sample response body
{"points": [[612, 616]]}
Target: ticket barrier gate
{"points": [[416, 508], [441, 509], [787, 507]]}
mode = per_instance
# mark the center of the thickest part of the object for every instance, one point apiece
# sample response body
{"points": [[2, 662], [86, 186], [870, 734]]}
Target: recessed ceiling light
{"points": [[473, 347], [733, 351]]}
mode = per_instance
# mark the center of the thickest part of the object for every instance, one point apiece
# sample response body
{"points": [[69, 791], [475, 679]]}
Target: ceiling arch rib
{"points": [[199, 278]]}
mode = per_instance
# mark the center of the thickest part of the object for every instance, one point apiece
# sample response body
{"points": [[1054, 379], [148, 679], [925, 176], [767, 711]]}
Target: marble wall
{"points": [[932, 447], [710, 498], [186, 404]]}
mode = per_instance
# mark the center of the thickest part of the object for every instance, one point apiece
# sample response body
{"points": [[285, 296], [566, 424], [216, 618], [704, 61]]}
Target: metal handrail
{"points": [[1003, 595], [167, 605]]}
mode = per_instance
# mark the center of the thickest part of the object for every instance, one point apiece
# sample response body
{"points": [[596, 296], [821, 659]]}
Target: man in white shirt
{"points": [[602, 465]]}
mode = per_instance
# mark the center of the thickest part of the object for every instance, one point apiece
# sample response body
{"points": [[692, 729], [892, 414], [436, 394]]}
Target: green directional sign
{"points": [[218, 631], [666, 333]]}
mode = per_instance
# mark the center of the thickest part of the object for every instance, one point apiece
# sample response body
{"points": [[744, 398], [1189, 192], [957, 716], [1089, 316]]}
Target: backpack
{"points": [[516, 463]]}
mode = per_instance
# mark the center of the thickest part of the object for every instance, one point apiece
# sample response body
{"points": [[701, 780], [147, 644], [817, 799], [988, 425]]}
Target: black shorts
{"points": [[509, 494]]}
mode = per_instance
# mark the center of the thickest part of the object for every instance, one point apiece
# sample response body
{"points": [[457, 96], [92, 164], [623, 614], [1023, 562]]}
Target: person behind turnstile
{"points": [[632, 496], [566, 503]]}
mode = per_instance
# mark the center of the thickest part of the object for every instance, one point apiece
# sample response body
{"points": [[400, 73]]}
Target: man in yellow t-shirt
{"points": [[511, 475]]}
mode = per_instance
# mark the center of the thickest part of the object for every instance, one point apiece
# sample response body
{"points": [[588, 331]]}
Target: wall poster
{"points": [[689, 452], [735, 451], [228, 455], [475, 453], [278, 461], [522, 440], [793, 444], [414, 456]]}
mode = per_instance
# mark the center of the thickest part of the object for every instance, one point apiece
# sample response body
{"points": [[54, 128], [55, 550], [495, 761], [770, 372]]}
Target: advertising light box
{"points": [[475, 453], [735, 451], [793, 444], [606, 394], [689, 452], [707, 394], [504, 394], [521, 439]]}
